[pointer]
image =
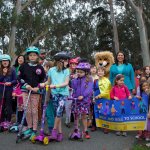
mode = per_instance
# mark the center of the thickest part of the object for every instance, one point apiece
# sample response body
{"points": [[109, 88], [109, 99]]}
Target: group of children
{"points": [[80, 77]]}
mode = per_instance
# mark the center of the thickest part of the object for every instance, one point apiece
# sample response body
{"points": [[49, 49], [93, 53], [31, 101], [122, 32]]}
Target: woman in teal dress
{"points": [[18, 62], [122, 67]]}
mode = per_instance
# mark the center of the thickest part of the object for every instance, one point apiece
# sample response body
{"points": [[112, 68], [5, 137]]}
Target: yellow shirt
{"points": [[104, 87]]}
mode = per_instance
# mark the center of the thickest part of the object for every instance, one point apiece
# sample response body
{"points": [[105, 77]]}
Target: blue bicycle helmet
{"points": [[0, 57], [32, 49], [61, 55], [5, 57]]}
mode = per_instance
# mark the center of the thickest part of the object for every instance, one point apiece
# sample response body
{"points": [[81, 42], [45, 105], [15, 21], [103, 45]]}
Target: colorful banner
{"points": [[121, 115]]}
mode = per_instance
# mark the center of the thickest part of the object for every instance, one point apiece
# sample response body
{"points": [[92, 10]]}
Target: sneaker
{"points": [[106, 131], [54, 134], [93, 128], [147, 139], [59, 137], [124, 134], [148, 144], [118, 133], [138, 136], [86, 135]]}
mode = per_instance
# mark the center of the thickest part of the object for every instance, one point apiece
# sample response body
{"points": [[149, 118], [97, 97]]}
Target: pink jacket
{"points": [[120, 92]]}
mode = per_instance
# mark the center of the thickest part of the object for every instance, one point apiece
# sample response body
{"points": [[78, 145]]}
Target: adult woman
{"points": [[19, 61], [122, 67]]}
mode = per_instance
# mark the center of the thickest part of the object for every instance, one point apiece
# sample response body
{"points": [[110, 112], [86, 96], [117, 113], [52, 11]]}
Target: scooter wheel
{"points": [[18, 140], [45, 141], [10, 130], [33, 139], [1, 129]]}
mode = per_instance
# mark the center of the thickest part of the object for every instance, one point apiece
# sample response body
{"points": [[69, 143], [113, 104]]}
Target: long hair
{"points": [[141, 85], [16, 61], [124, 61], [2, 67], [59, 66], [144, 68]]}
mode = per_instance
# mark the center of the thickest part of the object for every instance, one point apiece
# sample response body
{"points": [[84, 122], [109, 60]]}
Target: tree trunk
{"points": [[42, 34], [11, 46], [142, 31], [114, 24], [18, 9], [143, 38]]}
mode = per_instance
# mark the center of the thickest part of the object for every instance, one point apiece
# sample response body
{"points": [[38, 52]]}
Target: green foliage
{"points": [[104, 29], [84, 27], [46, 3], [140, 147]]}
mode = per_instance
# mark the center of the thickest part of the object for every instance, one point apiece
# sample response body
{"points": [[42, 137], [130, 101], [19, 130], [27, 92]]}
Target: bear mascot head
{"points": [[104, 59]]}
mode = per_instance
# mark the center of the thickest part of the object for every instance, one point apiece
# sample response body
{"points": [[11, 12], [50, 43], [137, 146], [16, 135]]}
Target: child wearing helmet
{"points": [[30, 75], [82, 86], [8, 77], [58, 79], [72, 67]]}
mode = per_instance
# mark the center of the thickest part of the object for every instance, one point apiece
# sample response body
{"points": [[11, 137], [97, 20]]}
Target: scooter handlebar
{"points": [[2, 83], [72, 98]]}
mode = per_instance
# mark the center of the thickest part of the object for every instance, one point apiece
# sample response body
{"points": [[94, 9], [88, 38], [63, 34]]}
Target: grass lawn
{"points": [[140, 145]]}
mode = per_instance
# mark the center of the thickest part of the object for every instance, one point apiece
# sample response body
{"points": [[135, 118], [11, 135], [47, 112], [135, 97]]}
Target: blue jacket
{"points": [[8, 78], [128, 73]]}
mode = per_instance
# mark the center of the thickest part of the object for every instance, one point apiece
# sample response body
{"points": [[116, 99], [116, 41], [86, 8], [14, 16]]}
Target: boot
{"points": [[54, 134], [86, 135], [59, 137]]}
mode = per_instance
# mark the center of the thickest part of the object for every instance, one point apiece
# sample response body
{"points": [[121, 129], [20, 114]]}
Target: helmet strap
{"points": [[32, 63]]}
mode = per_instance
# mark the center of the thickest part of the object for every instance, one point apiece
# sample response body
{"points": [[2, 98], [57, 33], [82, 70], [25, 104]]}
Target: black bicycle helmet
{"points": [[61, 55]]}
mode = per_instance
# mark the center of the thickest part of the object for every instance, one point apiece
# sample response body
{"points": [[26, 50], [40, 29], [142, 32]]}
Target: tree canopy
{"points": [[80, 26]]}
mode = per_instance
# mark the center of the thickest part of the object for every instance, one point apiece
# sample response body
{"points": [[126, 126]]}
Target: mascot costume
{"points": [[104, 59]]}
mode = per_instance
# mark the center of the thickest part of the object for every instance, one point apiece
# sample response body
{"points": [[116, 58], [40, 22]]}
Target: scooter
{"points": [[42, 137], [16, 93], [5, 125], [76, 134], [14, 128], [22, 135]]}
